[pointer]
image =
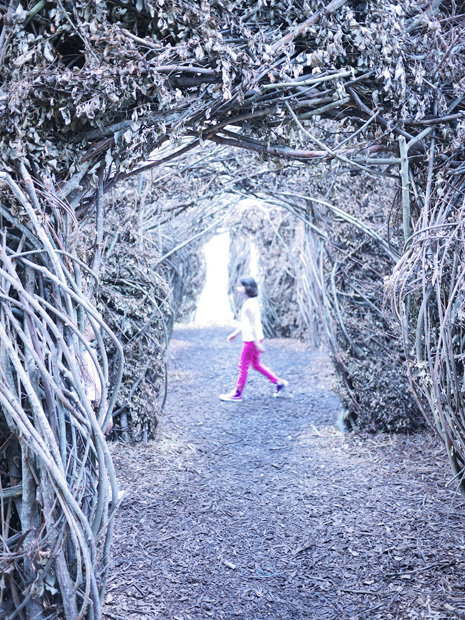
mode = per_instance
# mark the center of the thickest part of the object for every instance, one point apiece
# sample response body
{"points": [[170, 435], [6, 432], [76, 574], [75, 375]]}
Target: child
{"points": [[252, 336], [90, 377]]}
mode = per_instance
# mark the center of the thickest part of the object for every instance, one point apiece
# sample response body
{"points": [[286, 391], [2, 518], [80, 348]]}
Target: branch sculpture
{"points": [[90, 91]]}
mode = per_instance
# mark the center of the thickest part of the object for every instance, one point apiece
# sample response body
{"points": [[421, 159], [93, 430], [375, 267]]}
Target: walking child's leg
{"points": [[256, 365], [244, 363]]}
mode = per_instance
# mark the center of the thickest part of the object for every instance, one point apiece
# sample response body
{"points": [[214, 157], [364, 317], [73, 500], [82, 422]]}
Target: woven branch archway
{"points": [[89, 92]]}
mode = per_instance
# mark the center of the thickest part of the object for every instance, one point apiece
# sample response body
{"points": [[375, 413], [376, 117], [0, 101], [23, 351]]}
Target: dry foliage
{"points": [[135, 302], [89, 93]]}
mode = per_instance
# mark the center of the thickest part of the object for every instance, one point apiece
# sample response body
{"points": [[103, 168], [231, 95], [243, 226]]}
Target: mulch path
{"points": [[265, 510]]}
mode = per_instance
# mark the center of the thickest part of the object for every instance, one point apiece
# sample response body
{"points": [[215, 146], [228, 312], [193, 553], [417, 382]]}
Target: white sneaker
{"points": [[232, 396], [280, 387]]}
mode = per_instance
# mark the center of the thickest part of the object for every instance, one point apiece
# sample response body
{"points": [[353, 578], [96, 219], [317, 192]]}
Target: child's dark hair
{"points": [[251, 288]]}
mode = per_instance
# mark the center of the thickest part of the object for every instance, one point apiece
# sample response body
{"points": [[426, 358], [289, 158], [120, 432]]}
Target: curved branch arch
{"points": [[90, 92]]}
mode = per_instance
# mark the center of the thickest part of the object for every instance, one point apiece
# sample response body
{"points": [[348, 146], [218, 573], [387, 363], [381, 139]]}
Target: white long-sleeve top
{"points": [[251, 323]]}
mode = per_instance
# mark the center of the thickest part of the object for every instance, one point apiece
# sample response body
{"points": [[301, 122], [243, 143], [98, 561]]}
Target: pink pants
{"points": [[251, 355]]}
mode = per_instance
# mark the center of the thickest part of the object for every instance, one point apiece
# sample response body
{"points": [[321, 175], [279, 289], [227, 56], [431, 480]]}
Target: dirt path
{"points": [[264, 510]]}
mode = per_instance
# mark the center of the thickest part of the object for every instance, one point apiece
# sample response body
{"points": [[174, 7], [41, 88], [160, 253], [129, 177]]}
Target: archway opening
{"points": [[214, 304]]}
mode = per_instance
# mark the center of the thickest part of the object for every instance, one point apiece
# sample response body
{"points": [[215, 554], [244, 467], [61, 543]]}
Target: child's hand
{"points": [[109, 426], [233, 334], [260, 347]]}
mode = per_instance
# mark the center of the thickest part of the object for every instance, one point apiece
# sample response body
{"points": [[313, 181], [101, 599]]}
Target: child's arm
{"points": [[235, 333], [91, 378]]}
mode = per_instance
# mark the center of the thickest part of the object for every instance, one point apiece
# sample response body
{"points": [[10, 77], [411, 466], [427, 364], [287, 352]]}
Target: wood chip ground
{"points": [[264, 510]]}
